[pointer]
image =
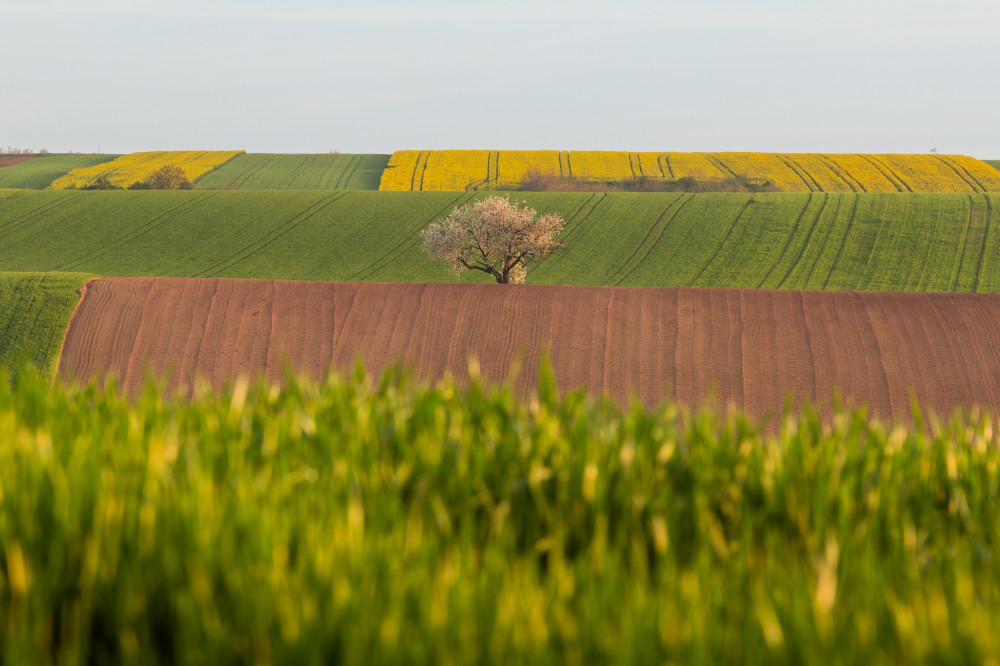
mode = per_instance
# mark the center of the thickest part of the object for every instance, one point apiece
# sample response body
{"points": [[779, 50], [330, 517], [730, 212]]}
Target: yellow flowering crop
{"points": [[136, 167], [792, 172]]}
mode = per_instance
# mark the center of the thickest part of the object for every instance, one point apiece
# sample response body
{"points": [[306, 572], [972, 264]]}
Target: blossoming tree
{"points": [[495, 236]]}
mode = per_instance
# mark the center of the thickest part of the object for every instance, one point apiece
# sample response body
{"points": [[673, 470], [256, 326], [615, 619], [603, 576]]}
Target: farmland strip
{"points": [[843, 241], [886, 171], [638, 247], [961, 251], [137, 232], [963, 173], [723, 242], [408, 242], [271, 236], [788, 241], [812, 184]]}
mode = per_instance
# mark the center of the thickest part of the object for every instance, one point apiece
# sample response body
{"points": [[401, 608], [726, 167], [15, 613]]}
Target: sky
{"points": [[877, 76]]}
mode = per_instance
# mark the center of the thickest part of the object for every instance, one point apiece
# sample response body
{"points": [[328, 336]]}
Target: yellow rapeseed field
{"points": [[136, 167], [792, 172]]}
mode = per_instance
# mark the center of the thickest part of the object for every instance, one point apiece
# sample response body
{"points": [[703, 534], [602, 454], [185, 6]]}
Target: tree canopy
{"points": [[495, 236]]}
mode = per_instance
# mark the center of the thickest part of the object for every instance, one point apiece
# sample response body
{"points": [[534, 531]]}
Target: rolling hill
{"points": [[40, 172], [750, 347], [35, 309], [257, 171], [460, 170], [877, 242]]}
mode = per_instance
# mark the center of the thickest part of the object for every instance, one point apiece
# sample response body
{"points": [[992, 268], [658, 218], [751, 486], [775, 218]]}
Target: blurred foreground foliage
{"points": [[345, 521]]}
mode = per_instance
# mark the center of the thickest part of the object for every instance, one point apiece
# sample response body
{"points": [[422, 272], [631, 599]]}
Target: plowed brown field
{"points": [[10, 160], [751, 347]]}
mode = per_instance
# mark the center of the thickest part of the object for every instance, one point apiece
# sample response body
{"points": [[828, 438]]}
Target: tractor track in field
{"points": [[253, 248], [982, 248], [137, 232], [10, 225], [843, 241], [965, 240], [812, 185], [416, 168], [812, 230], [722, 244], [649, 233], [721, 166], [568, 226], [962, 173], [842, 173], [887, 173], [652, 247], [249, 173], [788, 241], [411, 239], [423, 171], [662, 160], [344, 181]]}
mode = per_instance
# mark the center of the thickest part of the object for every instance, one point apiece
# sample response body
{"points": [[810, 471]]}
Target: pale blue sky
{"points": [[309, 76]]}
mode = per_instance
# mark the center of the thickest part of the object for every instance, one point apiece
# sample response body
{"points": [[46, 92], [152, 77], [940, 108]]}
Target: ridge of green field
{"points": [[264, 171], [38, 173], [993, 163], [35, 309], [842, 241]]}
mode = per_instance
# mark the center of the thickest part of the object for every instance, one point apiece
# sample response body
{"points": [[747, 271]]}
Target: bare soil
{"points": [[749, 348], [10, 160]]}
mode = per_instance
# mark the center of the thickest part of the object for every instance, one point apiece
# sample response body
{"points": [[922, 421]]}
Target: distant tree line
{"points": [[14, 150], [535, 181]]}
